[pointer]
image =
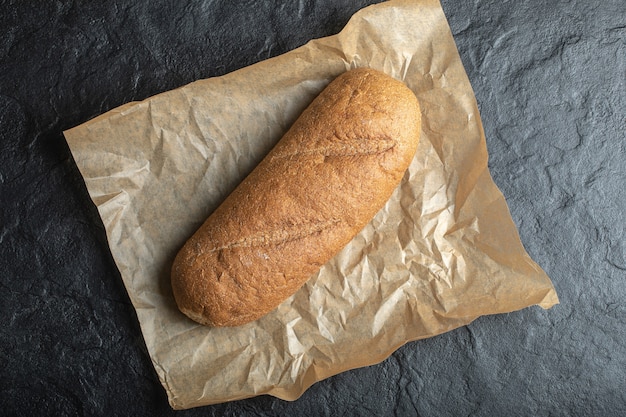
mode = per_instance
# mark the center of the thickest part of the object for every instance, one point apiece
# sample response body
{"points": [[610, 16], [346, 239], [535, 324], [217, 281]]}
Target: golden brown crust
{"points": [[321, 184]]}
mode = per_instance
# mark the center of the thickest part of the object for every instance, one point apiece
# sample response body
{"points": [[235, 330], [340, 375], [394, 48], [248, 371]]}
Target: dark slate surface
{"points": [[550, 81]]}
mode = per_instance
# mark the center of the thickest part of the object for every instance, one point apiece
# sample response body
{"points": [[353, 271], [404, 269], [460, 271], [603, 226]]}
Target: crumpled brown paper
{"points": [[441, 253]]}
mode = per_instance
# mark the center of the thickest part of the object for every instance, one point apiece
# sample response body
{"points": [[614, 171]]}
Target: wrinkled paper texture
{"points": [[442, 252]]}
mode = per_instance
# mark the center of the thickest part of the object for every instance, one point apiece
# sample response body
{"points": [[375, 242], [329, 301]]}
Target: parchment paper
{"points": [[442, 252]]}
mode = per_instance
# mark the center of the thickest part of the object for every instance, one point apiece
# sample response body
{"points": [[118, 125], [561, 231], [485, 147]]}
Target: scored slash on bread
{"points": [[340, 148], [275, 236]]}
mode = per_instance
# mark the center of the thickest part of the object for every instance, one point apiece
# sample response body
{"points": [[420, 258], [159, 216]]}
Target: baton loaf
{"points": [[325, 179]]}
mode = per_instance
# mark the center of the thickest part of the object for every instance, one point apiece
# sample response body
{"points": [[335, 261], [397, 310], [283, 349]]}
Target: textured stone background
{"points": [[549, 78]]}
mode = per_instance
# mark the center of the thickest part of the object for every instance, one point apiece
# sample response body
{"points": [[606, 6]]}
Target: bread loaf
{"points": [[318, 187]]}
